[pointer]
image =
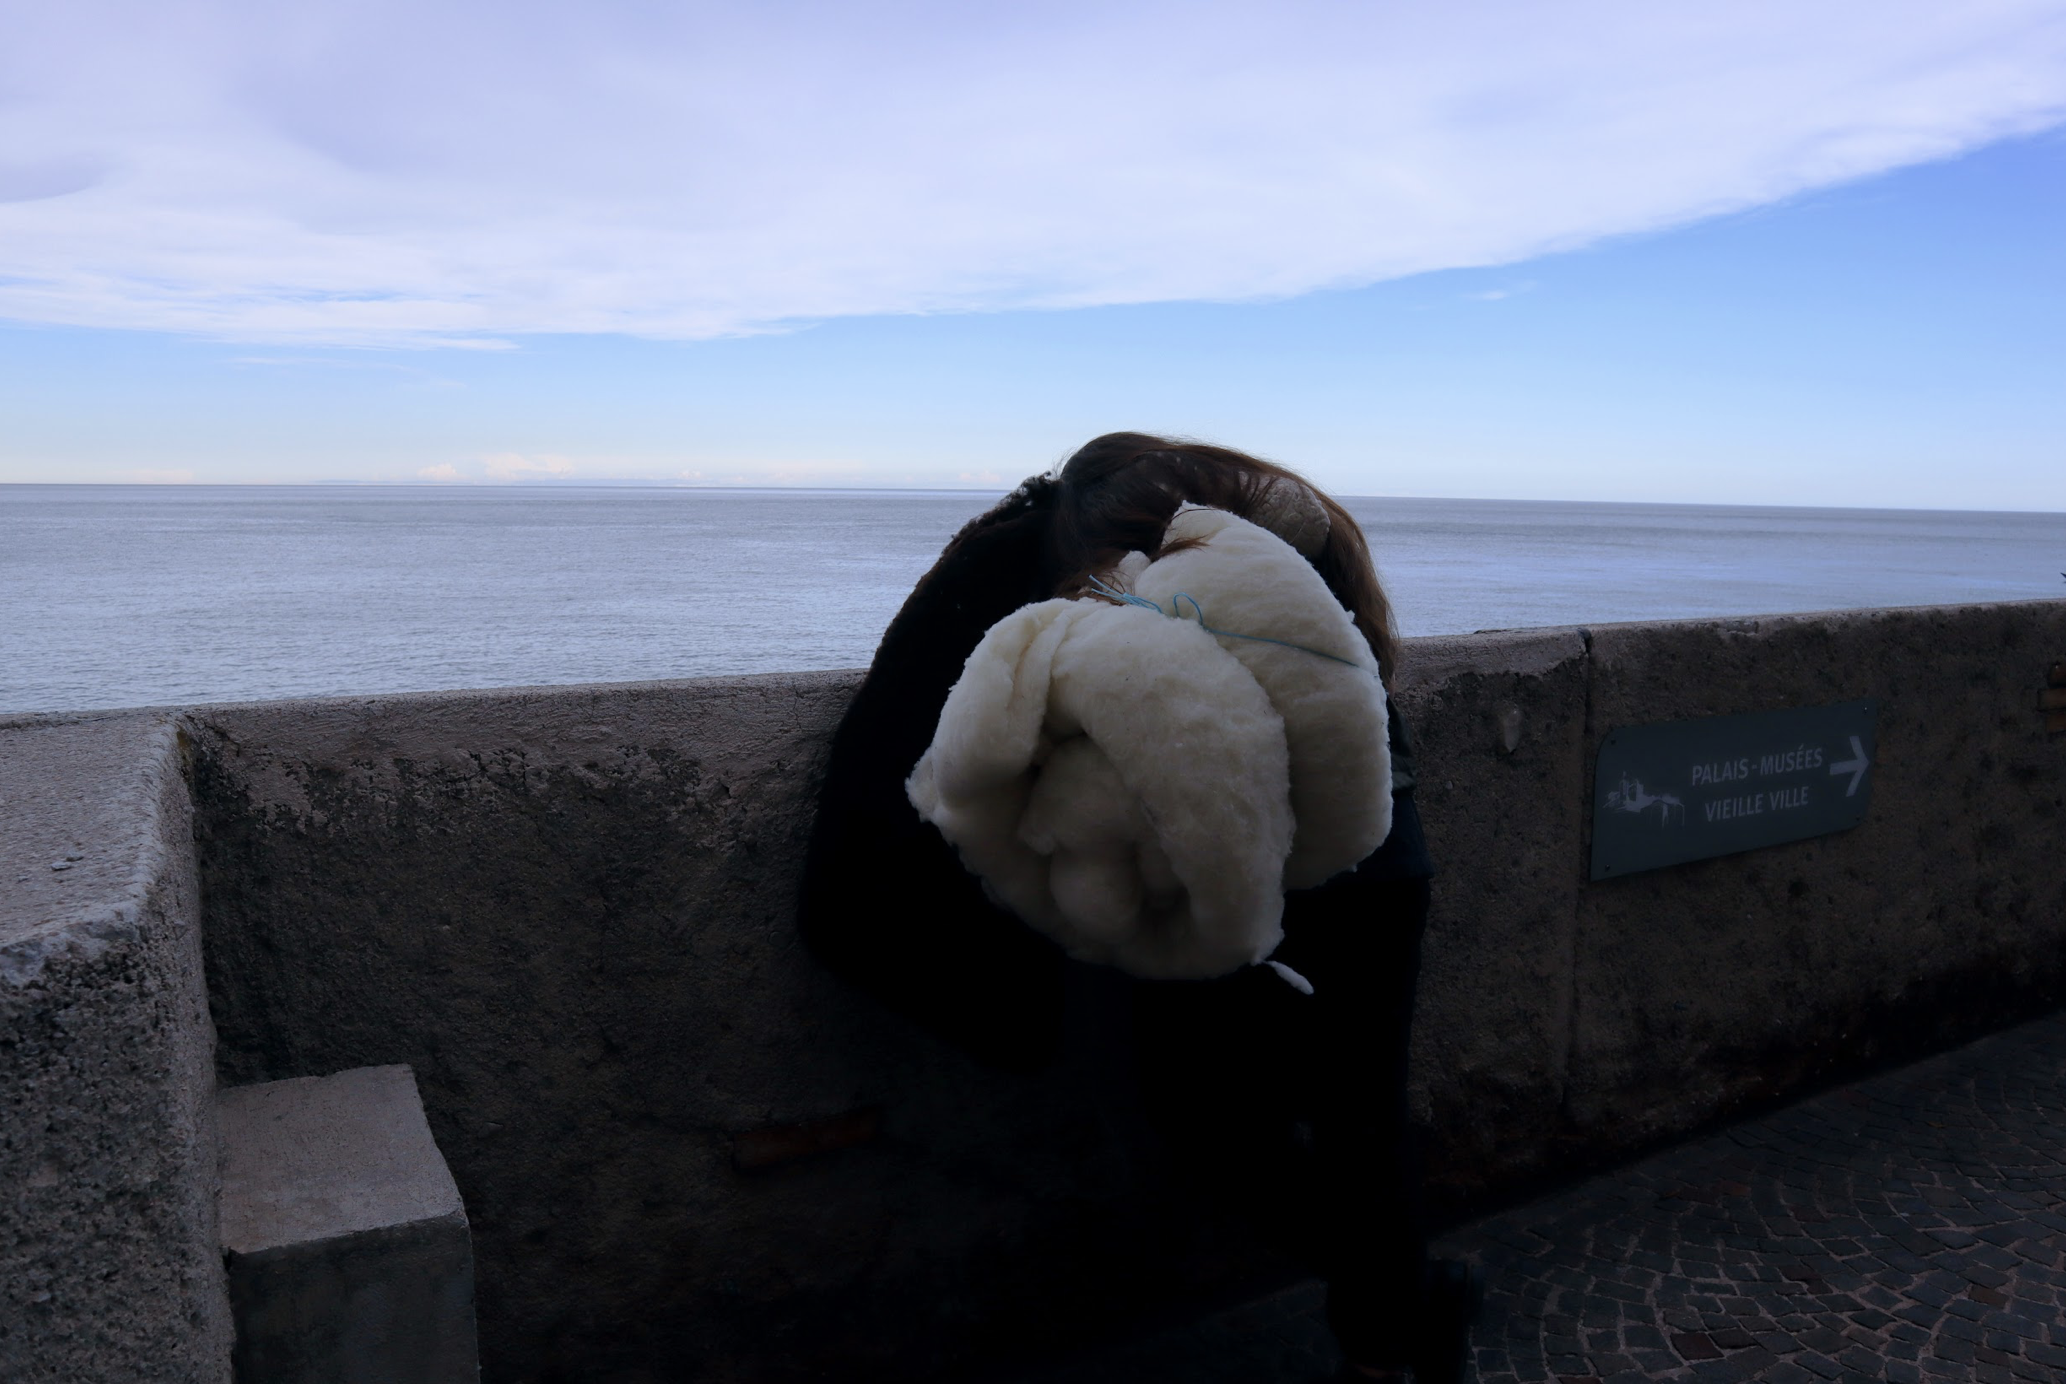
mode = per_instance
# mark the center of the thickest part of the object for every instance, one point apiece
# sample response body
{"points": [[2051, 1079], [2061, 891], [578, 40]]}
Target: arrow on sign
{"points": [[1855, 766]]}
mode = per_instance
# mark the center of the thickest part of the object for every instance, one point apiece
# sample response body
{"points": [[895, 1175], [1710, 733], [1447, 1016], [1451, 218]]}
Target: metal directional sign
{"points": [[1687, 790]]}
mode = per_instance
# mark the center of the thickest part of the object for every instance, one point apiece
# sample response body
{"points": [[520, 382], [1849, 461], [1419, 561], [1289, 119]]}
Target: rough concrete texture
{"points": [[1500, 720], [570, 911], [109, 1268], [347, 1245]]}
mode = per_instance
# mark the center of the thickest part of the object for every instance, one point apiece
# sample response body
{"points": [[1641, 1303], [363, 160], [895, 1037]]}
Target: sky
{"points": [[1767, 253]]}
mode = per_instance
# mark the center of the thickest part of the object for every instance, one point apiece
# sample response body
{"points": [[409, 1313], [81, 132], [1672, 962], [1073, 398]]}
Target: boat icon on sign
{"points": [[1633, 798]]}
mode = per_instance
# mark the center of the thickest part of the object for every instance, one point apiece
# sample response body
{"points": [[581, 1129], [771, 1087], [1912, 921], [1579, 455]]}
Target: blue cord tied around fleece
{"points": [[1175, 611], [1111, 593]]}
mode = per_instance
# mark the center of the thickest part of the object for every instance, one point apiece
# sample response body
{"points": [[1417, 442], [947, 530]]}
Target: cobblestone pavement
{"points": [[1908, 1227]]}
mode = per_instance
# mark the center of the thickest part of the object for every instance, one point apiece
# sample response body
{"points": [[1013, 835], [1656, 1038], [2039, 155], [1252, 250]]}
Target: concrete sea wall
{"points": [[687, 1152], [1566, 1021], [109, 1266]]}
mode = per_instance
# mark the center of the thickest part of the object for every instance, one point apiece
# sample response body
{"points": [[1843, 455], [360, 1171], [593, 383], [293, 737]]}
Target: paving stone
{"points": [[1817, 1363], [1952, 1349], [1860, 1359], [1960, 1329]]}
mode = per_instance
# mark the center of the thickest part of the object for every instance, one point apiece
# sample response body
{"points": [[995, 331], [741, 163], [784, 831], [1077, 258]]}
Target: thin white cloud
{"points": [[517, 468], [514, 466], [457, 172], [502, 467]]}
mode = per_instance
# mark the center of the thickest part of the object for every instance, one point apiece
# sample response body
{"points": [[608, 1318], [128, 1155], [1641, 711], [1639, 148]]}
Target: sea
{"points": [[125, 596]]}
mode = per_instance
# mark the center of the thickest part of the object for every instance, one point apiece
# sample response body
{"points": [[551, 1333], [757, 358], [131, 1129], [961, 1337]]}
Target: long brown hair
{"points": [[1119, 492]]}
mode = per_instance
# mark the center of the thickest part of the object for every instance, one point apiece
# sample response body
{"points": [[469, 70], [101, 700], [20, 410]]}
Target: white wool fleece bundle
{"points": [[1143, 785]]}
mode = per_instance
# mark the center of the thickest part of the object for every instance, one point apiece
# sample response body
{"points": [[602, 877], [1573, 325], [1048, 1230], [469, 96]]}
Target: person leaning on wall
{"points": [[1059, 759]]}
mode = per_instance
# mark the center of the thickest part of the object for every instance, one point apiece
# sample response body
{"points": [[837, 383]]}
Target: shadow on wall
{"points": [[682, 1147]]}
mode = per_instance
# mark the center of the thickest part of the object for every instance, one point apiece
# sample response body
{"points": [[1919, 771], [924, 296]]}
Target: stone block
{"points": [[346, 1240]]}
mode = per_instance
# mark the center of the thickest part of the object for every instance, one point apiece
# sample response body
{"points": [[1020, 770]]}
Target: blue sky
{"points": [[1807, 255]]}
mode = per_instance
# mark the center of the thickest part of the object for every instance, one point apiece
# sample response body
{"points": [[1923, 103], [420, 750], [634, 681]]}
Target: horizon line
{"points": [[778, 489]]}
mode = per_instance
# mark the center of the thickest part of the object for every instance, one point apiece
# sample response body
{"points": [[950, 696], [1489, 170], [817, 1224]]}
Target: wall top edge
{"points": [[1426, 659], [562, 692], [83, 835]]}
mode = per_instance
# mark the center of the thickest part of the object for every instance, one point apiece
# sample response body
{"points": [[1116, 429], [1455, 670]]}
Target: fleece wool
{"points": [[1142, 785]]}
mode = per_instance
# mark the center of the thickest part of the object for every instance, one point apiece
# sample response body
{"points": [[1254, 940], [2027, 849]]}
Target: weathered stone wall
{"points": [[570, 911], [109, 1264], [1566, 1022], [1942, 916]]}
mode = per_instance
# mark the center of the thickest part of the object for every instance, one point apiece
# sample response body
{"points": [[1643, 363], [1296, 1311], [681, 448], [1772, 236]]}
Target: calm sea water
{"points": [[131, 596]]}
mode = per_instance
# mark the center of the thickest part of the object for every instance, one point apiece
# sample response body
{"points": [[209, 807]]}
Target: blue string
{"points": [[1175, 612], [1126, 597]]}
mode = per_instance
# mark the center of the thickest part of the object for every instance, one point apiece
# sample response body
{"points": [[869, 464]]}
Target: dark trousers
{"points": [[1296, 1104]]}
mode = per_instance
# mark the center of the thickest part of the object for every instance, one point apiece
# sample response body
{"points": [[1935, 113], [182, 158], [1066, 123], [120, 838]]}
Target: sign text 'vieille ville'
{"points": [[1687, 790]]}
